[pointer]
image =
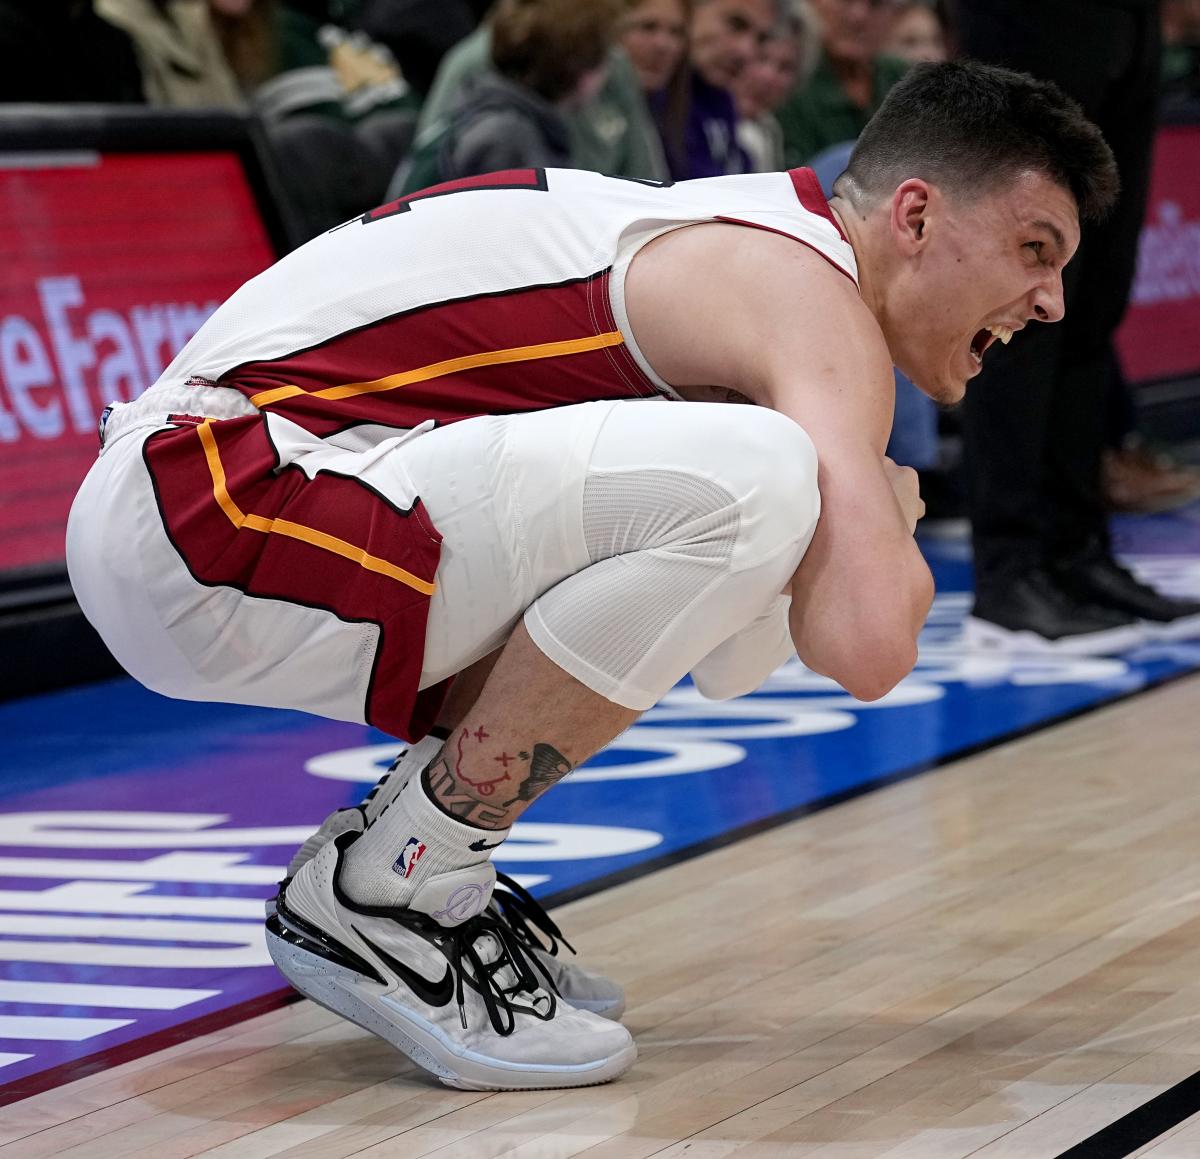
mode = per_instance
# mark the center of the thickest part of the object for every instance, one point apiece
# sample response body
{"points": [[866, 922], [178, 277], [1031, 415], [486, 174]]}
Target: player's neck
{"points": [[857, 232]]}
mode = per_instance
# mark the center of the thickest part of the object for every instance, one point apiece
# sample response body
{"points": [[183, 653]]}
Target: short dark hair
{"points": [[972, 127], [548, 45]]}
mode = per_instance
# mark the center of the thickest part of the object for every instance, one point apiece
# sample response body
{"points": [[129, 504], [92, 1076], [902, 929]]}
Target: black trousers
{"points": [[1037, 416]]}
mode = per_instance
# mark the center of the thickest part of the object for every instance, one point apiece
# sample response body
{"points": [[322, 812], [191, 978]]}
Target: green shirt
{"points": [[612, 134], [821, 114]]}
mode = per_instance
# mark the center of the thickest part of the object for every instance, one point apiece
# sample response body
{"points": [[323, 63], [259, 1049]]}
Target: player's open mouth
{"points": [[985, 337]]}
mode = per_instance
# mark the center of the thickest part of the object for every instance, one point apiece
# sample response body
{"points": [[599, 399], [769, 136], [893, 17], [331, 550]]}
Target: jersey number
{"points": [[505, 179]]}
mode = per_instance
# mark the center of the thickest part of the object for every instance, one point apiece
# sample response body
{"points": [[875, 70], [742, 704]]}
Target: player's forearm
{"points": [[861, 631]]}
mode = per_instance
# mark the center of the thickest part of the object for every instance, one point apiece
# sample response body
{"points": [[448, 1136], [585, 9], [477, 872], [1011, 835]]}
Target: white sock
{"points": [[409, 842], [411, 762]]}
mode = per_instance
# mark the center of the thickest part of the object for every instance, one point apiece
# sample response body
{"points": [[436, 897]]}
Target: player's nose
{"points": [[1048, 302]]}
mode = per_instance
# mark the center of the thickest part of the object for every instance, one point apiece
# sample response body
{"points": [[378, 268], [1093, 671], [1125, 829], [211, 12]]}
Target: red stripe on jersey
{"points": [[443, 332], [330, 542], [504, 179], [790, 237], [812, 197]]}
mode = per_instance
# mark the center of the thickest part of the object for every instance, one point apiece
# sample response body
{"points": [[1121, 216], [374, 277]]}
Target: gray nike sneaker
{"points": [[541, 939], [444, 980], [511, 905]]}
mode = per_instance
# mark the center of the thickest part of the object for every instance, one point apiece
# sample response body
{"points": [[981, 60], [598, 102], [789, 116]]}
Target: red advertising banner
{"points": [[1160, 337], [111, 263]]}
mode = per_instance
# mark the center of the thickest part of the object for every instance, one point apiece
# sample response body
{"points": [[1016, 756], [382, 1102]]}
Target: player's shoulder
{"points": [[746, 308], [815, 342], [802, 289]]}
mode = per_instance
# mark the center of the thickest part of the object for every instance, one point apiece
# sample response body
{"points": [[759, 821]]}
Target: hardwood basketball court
{"points": [[998, 958]]}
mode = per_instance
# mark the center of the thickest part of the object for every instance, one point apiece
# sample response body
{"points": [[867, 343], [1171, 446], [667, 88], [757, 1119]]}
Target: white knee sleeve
{"points": [[748, 657], [686, 555], [658, 540]]}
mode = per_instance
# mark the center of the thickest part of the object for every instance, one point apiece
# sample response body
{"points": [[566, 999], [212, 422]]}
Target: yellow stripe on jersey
{"points": [[291, 530], [450, 366]]}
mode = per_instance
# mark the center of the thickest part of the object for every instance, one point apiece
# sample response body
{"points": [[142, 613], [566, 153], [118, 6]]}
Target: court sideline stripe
{"points": [[1142, 1125], [206, 1024]]}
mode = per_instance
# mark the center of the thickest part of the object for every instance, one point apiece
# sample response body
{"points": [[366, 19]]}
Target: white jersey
{"points": [[488, 295]]}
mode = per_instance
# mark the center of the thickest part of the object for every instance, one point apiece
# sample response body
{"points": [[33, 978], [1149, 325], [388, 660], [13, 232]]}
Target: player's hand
{"points": [[907, 490]]}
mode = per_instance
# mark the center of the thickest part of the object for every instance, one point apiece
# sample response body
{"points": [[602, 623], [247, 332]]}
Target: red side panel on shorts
{"points": [[561, 345], [330, 542]]}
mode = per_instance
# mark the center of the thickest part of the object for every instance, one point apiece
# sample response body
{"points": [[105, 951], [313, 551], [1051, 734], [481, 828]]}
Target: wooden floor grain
{"points": [[997, 959]]}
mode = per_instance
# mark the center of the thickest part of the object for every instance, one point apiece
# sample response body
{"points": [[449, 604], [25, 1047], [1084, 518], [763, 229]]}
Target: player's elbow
{"points": [[879, 670], [887, 646], [872, 644], [867, 665]]}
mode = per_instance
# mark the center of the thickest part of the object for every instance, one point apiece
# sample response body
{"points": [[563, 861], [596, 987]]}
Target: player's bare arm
{"points": [[762, 329]]}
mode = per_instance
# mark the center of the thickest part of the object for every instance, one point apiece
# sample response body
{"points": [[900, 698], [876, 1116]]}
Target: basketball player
{"points": [[460, 469]]}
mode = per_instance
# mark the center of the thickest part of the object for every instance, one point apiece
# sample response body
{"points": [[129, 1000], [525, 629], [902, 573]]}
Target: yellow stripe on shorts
{"points": [[285, 527]]}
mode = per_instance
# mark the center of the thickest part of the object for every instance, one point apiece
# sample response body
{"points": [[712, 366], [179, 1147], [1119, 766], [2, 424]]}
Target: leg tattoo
{"points": [[547, 766], [482, 787], [467, 797], [445, 792]]}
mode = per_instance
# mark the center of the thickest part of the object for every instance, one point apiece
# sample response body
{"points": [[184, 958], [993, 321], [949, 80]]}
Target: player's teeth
{"points": [[1004, 333]]}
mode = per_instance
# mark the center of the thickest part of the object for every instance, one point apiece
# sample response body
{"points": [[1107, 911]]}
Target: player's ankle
{"points": [[410, 842], [408, 766]]}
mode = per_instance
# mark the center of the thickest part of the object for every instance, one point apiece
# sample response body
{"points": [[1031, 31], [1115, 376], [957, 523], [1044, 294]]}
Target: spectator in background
{"points": [[1136, 475], [850, 79], [62, 51], [309, 57], [249, 33], [419, 33], [725, 36], [611, 133], [548, 58], [335, 108], [784, 59], [654, 35], [180, 56], [1036, 416], [916, 31], [1181, 55]]}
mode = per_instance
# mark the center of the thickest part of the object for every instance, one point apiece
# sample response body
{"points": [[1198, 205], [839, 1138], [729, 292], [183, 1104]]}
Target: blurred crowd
{"points": [[435, 89], [428, 90], [365, 100]]}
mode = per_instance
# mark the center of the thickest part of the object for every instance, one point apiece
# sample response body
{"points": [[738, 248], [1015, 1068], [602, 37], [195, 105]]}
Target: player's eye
{"points": [[1037, 247]]}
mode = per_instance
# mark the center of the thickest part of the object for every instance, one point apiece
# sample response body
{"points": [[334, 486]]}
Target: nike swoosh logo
{"points": [[480, 845], [436, 993]]}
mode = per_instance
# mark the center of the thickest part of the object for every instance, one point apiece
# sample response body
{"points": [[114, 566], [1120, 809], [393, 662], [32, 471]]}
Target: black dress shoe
{"points": [[1034, 615], [1097, 577]]}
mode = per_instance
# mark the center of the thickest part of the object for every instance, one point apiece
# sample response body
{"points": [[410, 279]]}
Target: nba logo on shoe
{"points": [[409, 856]]}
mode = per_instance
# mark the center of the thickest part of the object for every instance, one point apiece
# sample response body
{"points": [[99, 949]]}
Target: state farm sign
{"points": [[111, 263]]}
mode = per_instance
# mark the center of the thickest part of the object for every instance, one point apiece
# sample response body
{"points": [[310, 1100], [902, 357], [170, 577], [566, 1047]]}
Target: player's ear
{"points": [[910, 218]]}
